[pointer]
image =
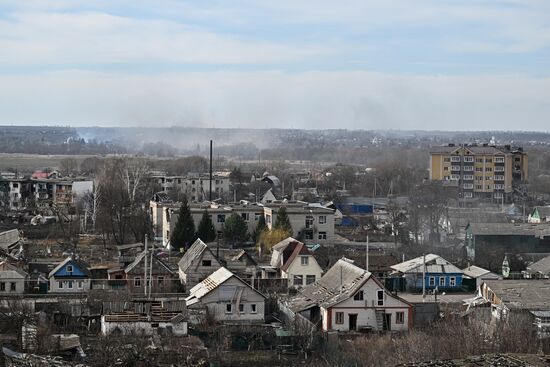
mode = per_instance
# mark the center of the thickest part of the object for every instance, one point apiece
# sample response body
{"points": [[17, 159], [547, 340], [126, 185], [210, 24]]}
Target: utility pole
{"points": [[150, 271], [210, 193], [367, 259]]}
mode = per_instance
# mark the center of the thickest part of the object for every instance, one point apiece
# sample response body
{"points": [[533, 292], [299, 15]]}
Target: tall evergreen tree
{"points": [[184, 230], [283, 222], [235, 229], [260, 228], [206, 230]]}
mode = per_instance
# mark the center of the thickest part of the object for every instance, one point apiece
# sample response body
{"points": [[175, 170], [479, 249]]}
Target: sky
{"points": [[393, 64]]}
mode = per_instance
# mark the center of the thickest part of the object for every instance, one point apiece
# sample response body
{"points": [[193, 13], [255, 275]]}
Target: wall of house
{"points": [[414, 281], [366, 310], [55, 286], [199, 270], [147, 328], [9, 278], [216, 302], [296, 268], [297, 217]]}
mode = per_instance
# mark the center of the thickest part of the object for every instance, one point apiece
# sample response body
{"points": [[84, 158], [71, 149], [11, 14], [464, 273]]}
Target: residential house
{"points": [[127, 253], [195, 186], [540, 214], [431, 270], [70, 276], [348, 298], [227, 298], [474, 276], [132, 277], [241, 263], [268, 197], [12, 279], [538, 269], [522, 297], [147, 317], [295, 262], [197, 264]]}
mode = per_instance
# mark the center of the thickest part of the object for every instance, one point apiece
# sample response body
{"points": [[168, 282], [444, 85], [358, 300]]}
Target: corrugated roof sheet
{"points": [[192, 253], [339, 283], [528, 294], [542, 266], [475, 271], [509, 229]]}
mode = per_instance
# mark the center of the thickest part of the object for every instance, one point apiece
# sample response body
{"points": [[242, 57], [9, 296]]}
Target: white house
{"points": [[12, 279], [349, 298], [70, 276], [295, 262], [226, 297], [197, 264], [480, 274]]}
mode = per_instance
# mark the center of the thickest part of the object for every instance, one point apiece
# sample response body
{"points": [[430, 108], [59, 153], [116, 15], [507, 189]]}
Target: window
{"points": [[468, 177], [488, 160], [468, 159], [488, 169], [228, 308], [479, 160], [455, 168], [455, 177], [15, 185], [400, 317], [499, 169], [310, 279], [432, 282], [452, 281], [322, 219], [2, 286], [309, 221], [499, 159], [59, 285], [441, 281], [12, 286], [479, 187], [339, 319], [207, 263], [160, 281], [253, 308], [221, 218], [245, 216], [446, 159], [69, 268], [241, 308], [308, 235], [304, 260], [322, 235], [137, 282], [70, 284], [359, 296], [479, 169], [80, 284], [257, 216], [468, 168], [468, 186], [380, 297], [445, 168], [455, 158], [297, 280], [468, 195]]}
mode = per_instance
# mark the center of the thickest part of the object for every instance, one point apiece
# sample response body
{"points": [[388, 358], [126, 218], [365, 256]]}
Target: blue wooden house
{"points": [[432, 270], [70, 276]]}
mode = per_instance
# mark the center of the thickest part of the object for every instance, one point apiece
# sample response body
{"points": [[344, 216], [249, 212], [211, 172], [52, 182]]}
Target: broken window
{"points": [[228, 308], [297, 280], [207, 263], [253, 307], [400, 317], [241, 308], [12, 286], [2, 286]]}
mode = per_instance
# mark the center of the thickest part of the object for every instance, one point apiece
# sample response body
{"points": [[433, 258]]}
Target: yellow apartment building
{"points": [[480, 171]]}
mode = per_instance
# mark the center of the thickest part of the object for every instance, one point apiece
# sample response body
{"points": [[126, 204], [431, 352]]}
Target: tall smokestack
{"points": [[210, 193]]}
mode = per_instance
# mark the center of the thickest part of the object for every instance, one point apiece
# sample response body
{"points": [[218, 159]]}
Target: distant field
{"points": [[27, 163]]}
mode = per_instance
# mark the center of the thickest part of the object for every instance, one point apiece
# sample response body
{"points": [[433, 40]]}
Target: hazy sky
{"points": [[412, 64]]}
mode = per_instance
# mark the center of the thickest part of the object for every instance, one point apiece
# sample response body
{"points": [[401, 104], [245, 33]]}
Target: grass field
{"points": [[28, 163]]}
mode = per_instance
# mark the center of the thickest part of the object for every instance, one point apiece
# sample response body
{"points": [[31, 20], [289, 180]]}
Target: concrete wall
{"points": [[145, 327]]}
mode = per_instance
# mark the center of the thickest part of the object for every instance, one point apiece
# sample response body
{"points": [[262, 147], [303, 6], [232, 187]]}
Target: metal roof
{"points": [[339, 283], [434, 264], [192, 253], [475, 272], [510, 229], [542, 266], [527, 294]]}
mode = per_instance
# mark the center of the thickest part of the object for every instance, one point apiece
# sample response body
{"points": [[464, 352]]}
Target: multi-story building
{"points": [[315, 224], [481, 171], [196, 187], [41, 193]]}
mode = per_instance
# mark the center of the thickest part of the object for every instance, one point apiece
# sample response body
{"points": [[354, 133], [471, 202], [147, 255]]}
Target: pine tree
{"points": [[283, 222], [260, 228], [184, 230], [206, 230], [235, 229]]}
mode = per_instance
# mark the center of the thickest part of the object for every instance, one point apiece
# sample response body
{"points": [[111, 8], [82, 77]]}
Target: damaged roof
{"points": [[194, 252], [339, 283], [542, 266], [475, 271], [526, 294], [510, 229]]}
